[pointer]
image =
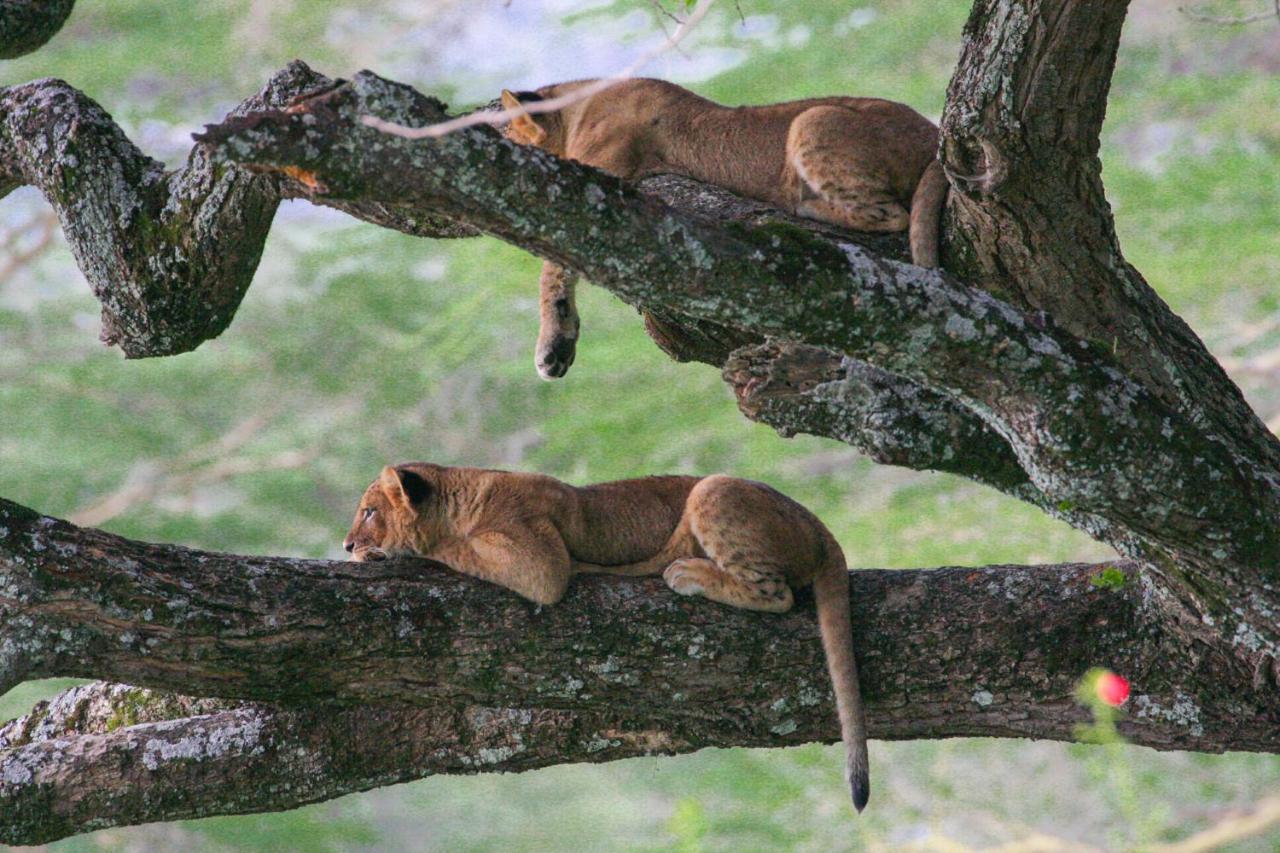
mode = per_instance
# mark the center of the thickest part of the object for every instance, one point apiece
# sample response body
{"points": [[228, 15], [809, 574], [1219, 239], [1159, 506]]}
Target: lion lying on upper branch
{"points": [[860, 163]]}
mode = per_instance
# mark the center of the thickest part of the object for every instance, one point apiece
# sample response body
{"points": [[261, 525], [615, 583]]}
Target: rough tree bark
{"points": [[1040, 364], [620, 668], [25, 25]]}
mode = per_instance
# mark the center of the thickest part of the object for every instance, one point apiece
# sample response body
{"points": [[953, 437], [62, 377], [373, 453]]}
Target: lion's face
{"points": [[368, 537], [387, 516], [544, 130]]}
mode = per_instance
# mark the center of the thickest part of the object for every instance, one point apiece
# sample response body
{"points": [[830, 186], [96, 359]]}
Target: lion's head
{"points": [[388, 519]]}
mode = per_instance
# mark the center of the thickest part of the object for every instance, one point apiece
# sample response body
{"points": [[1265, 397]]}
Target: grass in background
{"points": [[358, 346]]}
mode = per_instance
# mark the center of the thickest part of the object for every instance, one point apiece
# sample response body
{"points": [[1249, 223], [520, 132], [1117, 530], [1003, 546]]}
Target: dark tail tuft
{"points": [[831, 589], [859, 785]]}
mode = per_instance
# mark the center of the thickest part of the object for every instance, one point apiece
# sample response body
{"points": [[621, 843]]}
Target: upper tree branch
{"points": [[25, 25], [152, 307], [1024, 111], [1088, 435]]}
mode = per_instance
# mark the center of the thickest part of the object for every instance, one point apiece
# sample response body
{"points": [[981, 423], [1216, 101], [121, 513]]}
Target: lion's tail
{"points": [[831, 591]]}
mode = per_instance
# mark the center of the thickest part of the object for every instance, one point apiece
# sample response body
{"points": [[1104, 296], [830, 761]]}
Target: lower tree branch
{"points": [[107, 755], [439, 673], [81, 602]]}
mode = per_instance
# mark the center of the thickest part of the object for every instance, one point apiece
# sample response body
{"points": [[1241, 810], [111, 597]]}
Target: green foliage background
{"points": [[357, 346]]}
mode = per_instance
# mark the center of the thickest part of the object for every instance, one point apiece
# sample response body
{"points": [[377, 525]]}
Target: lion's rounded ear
{"points": [[509, 100], [403, 487]]}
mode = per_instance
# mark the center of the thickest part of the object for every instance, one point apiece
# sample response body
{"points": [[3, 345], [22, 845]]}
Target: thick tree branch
{"points": [[161, 307], [1120, 459], [485, 680], [1024, 111], [1085, 433], [168, 254], [107, 755], [80, 602], [25, 25]]}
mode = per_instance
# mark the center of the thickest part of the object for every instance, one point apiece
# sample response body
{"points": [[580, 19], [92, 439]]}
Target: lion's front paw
{"points": [[555, 356]]}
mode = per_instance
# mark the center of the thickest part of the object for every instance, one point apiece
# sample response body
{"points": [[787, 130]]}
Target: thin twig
{"points": [[1264, 362], [662, 10], [46, 223], [1263, 815], [502, 116], [663, 13], [202, 466], [1230, 20]]}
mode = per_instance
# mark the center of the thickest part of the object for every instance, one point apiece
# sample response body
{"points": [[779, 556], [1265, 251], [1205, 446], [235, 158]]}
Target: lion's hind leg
{"points": [[745, 530], [735, 585], [832, 151]]}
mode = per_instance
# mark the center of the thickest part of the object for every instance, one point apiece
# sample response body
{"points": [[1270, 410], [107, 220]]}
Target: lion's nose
{"points": [[348, 545]]}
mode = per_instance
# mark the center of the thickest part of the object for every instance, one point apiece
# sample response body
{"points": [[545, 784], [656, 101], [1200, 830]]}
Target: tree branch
{"points": [[108, 755], [484, 680], [81, 602], [1084, 432], [151, 309], [25, 25], [798, 388], [168, 254], [1024, 111], [1114, 456]]}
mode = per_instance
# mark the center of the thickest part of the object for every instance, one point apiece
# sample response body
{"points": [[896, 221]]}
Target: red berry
{"points": [[1112, 689]]}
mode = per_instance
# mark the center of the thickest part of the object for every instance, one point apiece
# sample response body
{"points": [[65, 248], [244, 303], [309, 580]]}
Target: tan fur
{"points": [[734, 541], [861, 163]]}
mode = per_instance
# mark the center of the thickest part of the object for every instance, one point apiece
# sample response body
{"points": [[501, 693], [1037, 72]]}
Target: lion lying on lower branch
{"points": [[734, 541]]}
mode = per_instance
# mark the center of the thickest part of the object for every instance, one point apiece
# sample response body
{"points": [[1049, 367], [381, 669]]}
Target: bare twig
{"points": [[551, 105], [43, 226], [201, 466], [662, 10], [1231, 20], [663, 13], [1262, 816], [1266, 361]]}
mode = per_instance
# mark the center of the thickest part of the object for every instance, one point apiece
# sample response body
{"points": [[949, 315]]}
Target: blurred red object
{"points": [[1113, 689]]}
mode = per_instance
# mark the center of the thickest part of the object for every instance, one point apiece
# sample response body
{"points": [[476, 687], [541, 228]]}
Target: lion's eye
{"points": [[368, 513]]}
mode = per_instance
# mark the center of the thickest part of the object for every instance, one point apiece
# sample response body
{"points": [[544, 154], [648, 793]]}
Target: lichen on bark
{"points": [[1039, 363]]}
